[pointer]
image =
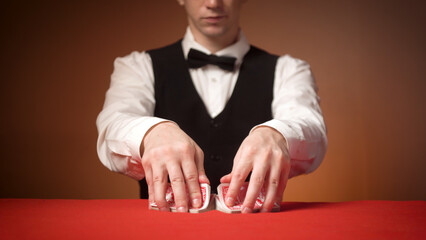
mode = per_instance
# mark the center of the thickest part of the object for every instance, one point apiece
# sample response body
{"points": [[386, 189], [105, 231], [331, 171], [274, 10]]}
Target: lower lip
{"points": [[213, 19]]}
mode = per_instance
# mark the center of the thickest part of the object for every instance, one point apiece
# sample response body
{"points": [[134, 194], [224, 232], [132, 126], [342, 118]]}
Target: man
{"points": [[211, 107]]}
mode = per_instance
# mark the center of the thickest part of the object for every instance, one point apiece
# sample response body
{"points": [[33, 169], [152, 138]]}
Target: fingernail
{"points": [[181, 209], [164, 209], [246, 210], [229, 202], [196, 202]]}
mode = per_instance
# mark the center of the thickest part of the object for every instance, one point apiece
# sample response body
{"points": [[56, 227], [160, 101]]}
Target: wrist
{"points": [[151, 131], [271, 132]]}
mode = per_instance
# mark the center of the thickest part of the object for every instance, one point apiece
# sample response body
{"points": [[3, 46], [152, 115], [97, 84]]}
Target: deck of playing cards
{"points": [[213, 201], [222, 190], [206, 200]]}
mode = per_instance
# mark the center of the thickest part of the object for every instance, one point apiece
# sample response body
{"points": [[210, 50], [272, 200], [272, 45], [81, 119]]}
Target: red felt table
{"points": [[131, 219]]}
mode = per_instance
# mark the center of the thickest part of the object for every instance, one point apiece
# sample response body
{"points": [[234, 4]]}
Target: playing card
{"points": [[222, 190], [212, 201], [205, 192], [211, 206], [220, 206]]}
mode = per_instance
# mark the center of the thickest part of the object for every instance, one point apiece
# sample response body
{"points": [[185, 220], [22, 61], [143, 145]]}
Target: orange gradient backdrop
{"points": [[368, 58]]}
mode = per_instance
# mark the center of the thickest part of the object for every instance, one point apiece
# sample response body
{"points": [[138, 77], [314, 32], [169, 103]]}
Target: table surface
{"points": [[131, 219]]}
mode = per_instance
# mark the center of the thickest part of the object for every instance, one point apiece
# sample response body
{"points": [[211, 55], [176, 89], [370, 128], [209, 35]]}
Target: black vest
{"points": [[220, 137]]}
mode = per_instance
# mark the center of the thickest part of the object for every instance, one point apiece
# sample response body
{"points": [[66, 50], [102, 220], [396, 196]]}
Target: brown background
{"points": [[368, 58]]}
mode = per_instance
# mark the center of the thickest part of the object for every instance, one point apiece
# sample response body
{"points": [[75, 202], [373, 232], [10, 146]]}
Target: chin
{"points": [[214, 31]]}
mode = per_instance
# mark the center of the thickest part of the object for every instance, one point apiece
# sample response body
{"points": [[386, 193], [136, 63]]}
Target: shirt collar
{"points": [[237, 49]]}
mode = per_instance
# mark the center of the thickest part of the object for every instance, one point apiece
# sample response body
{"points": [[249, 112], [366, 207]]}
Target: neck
{"points": [[215, 43]]}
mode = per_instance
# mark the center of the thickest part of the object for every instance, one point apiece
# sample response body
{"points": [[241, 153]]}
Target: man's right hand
{"points": [[167, 151]]}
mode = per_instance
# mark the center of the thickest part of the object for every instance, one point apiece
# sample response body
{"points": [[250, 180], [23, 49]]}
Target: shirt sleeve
{"points": [[297, 114], [127, 114]]}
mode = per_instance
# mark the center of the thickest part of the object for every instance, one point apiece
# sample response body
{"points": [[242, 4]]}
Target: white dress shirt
{"points": [[129, 106]]}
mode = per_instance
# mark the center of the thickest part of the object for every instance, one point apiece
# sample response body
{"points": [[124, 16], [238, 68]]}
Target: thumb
{"points": [[202, 177], [199, 161], [227, 178]]}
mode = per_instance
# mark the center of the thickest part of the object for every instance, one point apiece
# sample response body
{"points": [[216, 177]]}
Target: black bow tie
{"points": [[197, 59]]}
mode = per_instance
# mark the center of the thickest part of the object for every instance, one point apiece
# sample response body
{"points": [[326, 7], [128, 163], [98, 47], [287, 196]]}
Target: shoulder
{"points": [[287, 65], [291, 61], [137, 57], [254, 50], [167, 50], [132, 59], [135, 64]]}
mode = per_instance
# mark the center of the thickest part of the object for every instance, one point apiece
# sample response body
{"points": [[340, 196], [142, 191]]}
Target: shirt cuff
{"points": [[302, 154], [137, 134], [126, 152], [280, 127]]}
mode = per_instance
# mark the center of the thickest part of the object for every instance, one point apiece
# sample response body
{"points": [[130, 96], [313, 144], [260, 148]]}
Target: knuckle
{"points": [[250, 150], [154, 155], [191, 178], [157, 152], [268, 153], [279, 155], [238, 176], [146, 163], [176, 180], [200, 153], [257, 180], [158, 179], [185, 148], [274, 182]]}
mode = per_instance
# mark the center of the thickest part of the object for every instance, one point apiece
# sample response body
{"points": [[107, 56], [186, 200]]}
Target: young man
{"points": [[211, 107]]}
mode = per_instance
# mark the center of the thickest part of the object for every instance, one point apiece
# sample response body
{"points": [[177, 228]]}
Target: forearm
{"points": [[127, 114], [119, 141], [297, 115], [306, 143]]}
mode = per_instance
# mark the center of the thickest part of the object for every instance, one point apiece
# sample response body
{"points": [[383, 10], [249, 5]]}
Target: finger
{"points": [[178, 185], [271, 199], [199, 161], [191, 178], [256, 183], [283, 183], [239, 175], [271, 187], [159, 181], [226, 179], [236, 159], [148, 178]]}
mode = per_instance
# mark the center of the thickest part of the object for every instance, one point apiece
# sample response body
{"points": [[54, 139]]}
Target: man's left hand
{"points": [[264, 153]]}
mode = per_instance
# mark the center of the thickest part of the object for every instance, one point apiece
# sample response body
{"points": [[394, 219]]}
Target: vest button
{"points": [[214, 124], [215, 158]]}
